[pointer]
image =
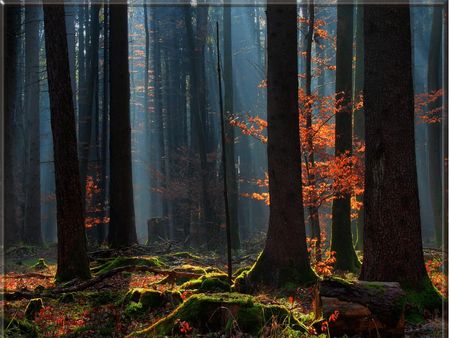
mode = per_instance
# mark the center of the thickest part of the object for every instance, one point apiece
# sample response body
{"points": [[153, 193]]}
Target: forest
{"points": [[203, 169]]}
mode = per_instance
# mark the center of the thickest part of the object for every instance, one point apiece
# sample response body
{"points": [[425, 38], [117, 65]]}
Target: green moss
{"points": [[16, 328], [40, 264], [125, 261], [34, 306], [207, 283], [239, 271], [213, 312], [139, 300], [263, 273], [184, 254], [429, 298], [102, 298]]}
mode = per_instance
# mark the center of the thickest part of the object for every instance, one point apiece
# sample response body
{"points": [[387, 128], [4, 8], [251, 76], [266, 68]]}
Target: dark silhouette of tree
{"points": [[122, 230], [284, 259], [392, 233], [73, 261]]}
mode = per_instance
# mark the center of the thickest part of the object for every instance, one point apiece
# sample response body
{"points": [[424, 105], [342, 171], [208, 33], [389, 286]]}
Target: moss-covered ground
{"points": [[148, 304]]}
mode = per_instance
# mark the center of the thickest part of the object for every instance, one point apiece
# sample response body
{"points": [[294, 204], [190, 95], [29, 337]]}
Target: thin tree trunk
{"points": [[358, 116], [122, 225], [73, 261], [341, 227], [229, 130], [313, 208]]}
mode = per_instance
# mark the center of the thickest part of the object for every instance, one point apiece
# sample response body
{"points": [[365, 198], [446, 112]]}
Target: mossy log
{"points": [[221, 312], [364, 307]]}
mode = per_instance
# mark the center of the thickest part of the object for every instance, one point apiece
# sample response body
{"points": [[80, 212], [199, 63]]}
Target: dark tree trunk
{"points": [[32, 225], [73, 261], [229, 130], [285, 258], [12, 228], [122, 230], [313, 209], [435, 129], [358, 116], [341, 228], [392, 234]]}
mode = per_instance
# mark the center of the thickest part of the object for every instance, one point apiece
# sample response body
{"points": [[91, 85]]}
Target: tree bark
{"points": [[341, 226], [122, 231], [392, 234], [73, 261], [358, 116], [284, 259], [229, 130]]}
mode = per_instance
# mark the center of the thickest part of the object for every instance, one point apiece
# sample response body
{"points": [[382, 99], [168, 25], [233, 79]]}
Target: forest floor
{"points": [[112, 308]]}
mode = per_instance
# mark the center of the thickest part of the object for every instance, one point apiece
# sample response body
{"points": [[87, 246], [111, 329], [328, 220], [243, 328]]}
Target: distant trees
{"points": [[32, 172], [392, 233], [284, 259], [73, 261], [341, 228], [12, 225]]}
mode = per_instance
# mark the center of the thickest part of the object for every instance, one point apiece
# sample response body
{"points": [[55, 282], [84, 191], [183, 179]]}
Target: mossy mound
{"points": [[417, 303], [211, 282], [34, 306], [16, 328], [220, 313], [127, 261], [265, 273], [183, 255], [40, 264], [139, 300]]}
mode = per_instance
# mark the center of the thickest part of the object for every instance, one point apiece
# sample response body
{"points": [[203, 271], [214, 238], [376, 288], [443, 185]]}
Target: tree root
{"points": [[56, 292]]}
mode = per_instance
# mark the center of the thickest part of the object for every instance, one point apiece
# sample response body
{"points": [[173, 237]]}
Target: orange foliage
{"points": [[324, 264], [437, 276]]}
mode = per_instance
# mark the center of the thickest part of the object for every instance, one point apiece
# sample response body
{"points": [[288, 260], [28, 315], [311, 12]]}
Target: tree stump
{"points": [[367, 308], [156, 229]]}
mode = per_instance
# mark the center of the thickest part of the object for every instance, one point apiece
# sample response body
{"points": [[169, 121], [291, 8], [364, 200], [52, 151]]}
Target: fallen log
{"points": [[368, 308], [56, 292]]}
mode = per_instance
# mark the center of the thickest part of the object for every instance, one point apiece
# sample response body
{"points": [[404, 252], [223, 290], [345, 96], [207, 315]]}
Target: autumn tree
{"points": [[341, 227], [73, 261], [122, 230], [392, 234], [284, 259]]}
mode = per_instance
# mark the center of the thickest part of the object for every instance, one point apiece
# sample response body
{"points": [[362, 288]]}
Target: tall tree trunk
{"points": [[435, 129], [73, 261], [358, 116], [313, 209], [12, 226], [229, 130], [122, 230], [341, 228], [32, 225], [392, 234], [284, 259]]}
